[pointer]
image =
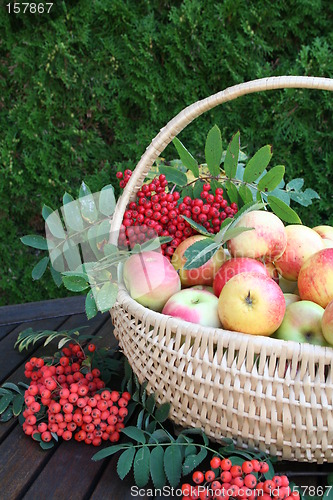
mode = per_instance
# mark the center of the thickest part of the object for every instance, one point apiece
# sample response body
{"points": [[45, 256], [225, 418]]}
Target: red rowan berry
{"points": [[226, 464], [42, 427], [91, 347], [114, 437], [247, 467], [122, 403], [46, 436], [268, 486], [250, 481], [264, 467], [35, 407], [96, 372], [123, 412], [236, 471], [73, 397], [198, 477], [32, 390], [64, 361], [256, 465], [226, 476], [67, 435], [210, 475], [215, 462], [285, 480]]}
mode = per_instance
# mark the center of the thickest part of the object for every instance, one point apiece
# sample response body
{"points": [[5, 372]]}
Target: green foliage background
{"points": [[85, 88]]}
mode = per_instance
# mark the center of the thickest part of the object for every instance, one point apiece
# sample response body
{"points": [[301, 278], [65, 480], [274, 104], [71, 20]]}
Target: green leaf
{"points": [[197, 226], [53, 223], [192, 461], [330, 479], [295, 184], [160, 436], [272, 179], [231, 157], [235, 231], [56, 276], [18, 404], [187, 159], [305, 198], [40, 268], [173, 464], [106, 296], [213, 150], [87, 202], [35, 241], [282, 210], [135, 434], [173, 175], [109, 249], [231, 191], [142, 466], [257, 164], [162, 412], [111, 450], [90, 305], [72, 214], [245, 193], [214, 184], [72, 254], [5, 402], [190, 450], [107, 200], [156, 467], [197, 190], [200, 252], [236, 460], [150, 403], [125, 462], [11, 386], [46, 446], [75, 283], [6, 415]]}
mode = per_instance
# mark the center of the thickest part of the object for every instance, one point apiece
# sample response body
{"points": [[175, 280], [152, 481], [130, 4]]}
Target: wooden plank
{"points": [[69, 473], [4, 329], [110, 486], [11, 358], [21, 459], [30, 311]]}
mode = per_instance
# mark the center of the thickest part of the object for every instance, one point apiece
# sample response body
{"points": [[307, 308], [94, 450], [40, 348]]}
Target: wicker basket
{"points": [[272, 395]]}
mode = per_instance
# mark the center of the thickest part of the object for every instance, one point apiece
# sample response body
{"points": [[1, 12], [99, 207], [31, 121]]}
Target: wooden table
{"points": [[67, 471]]}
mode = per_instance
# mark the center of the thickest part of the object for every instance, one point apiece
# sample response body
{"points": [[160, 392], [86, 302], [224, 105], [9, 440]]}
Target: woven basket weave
{"points": [[269, 394]]}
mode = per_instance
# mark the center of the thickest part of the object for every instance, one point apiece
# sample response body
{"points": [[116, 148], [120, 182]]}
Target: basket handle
{"points": [[187, 115]]}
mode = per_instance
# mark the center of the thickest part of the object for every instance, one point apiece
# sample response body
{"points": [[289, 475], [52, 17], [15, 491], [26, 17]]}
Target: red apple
{"points": [[196, 306], [302, 242], [235, 266], [267, 241], [251, 303], [150, 279], [315, 280], [326, 232], [203, 275], [327, 323]]}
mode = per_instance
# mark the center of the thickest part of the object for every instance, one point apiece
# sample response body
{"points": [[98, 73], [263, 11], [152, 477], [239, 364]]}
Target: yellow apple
{"points": [[327, 323], [251, 303], [290, 298], [326, 232]]}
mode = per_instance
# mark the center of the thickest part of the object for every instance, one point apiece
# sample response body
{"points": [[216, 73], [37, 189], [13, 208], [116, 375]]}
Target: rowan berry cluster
{"points": [[239, 482], [63, 401], [159, 212]]}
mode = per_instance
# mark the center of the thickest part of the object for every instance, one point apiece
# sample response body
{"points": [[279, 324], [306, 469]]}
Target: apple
{"points": [[150, 279], [253, 303], [327, 323], [235, 266], [302, 242], [196, 306], [290, 298], [287, 286], [203, 287], [272, 271], [302, 323], [315, 280], [203, 275], [267, 240], [326, 232]]}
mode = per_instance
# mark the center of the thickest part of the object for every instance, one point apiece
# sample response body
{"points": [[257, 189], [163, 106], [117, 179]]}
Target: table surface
{"points": [[67, 471]]}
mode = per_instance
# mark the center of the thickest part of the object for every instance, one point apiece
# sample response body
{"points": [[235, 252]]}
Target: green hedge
{"points": [[85, 88]]}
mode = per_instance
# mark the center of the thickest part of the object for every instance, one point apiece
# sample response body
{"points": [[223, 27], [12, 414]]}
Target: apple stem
{"points": [[248, 298]]}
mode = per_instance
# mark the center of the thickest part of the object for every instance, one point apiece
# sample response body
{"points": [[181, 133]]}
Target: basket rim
{"points": [[289, 348]]}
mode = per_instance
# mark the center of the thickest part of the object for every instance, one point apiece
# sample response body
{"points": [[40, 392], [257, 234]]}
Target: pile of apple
{"points": [[271, 280]]}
